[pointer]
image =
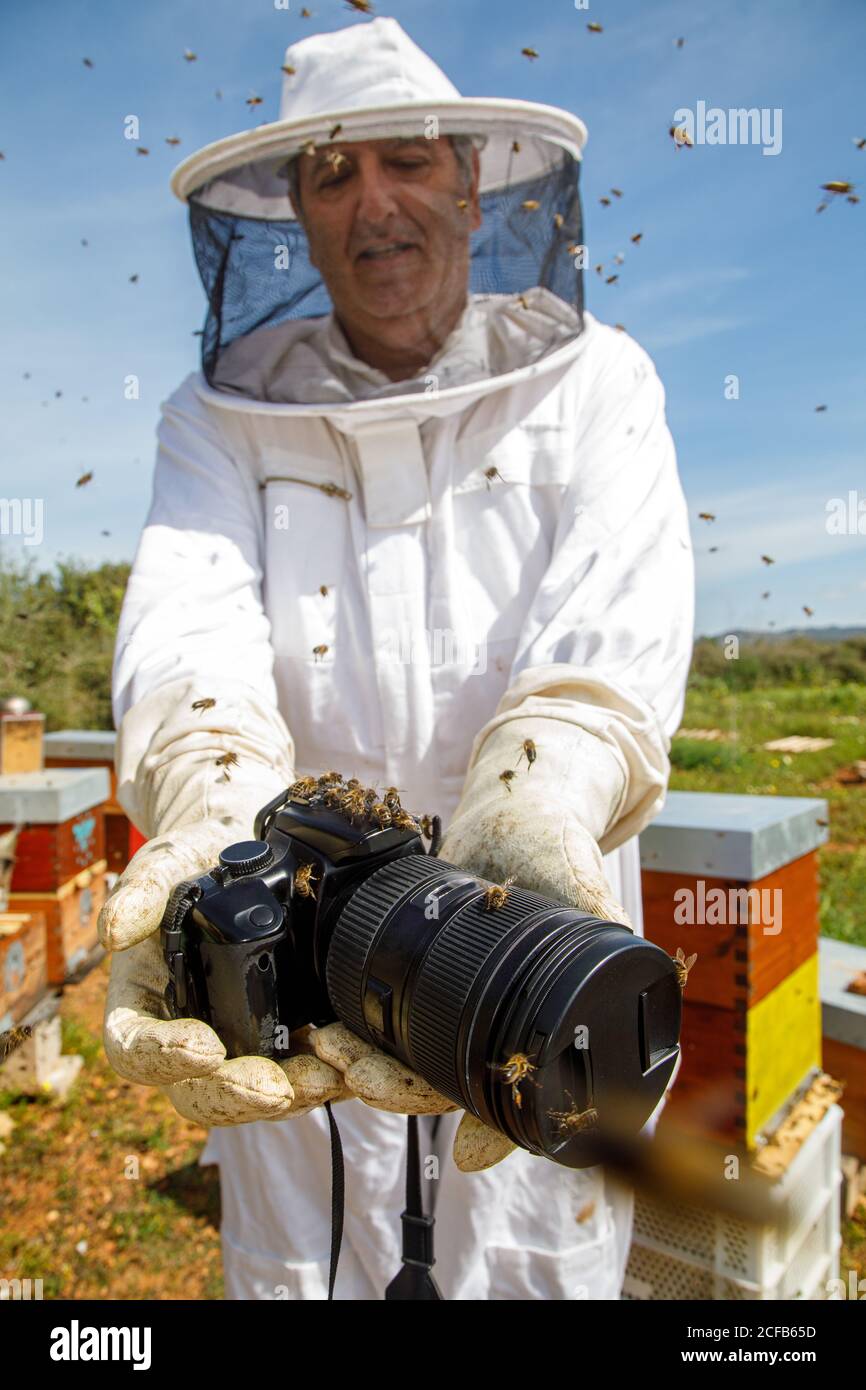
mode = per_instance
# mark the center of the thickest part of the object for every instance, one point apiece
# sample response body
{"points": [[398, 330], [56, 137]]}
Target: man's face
{"points": [[388, 225]]}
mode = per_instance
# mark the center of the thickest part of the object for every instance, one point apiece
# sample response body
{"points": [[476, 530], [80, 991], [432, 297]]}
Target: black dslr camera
{"points": [[542, 1021]]}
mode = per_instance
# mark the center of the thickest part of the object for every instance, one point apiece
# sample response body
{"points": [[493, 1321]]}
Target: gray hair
{"points": [[462, 145]]}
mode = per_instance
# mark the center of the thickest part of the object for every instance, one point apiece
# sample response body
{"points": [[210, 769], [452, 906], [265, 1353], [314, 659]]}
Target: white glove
{"points": [[540, 795], [177, 787]]}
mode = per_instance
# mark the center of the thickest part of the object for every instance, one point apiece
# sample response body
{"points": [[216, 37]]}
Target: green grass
{"points": [[740, 763]]}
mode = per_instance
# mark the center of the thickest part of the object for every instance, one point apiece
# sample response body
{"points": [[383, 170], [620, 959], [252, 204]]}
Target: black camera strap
{"points": [[338, 1197], [414, 1279]]}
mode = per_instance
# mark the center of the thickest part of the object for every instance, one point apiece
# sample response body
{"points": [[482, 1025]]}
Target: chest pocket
{"points": [[307, 541], [507, 501]]}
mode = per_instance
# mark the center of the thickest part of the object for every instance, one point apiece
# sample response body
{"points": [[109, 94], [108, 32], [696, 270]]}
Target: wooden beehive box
{"points": [[843, 1018], [734, 879], [62, 827], [70, 919], [85, 748], [21, 737], [23, 972], [95, 748]]}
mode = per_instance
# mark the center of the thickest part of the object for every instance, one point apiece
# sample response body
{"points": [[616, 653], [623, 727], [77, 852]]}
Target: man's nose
{"points": [[376, 194]]}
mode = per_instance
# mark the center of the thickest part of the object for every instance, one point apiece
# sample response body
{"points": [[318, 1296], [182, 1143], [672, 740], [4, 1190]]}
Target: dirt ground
{"points": [[102, 1196]]}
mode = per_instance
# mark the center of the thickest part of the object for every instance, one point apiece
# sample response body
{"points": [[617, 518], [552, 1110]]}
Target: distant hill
{"points": [[817, 634]]}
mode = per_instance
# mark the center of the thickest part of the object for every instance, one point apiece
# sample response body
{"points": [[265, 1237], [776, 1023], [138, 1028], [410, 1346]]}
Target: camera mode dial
{"points": [[246, 857]]}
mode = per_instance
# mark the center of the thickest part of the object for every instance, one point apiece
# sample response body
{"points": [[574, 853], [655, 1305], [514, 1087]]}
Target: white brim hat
{"points": [[373, 82]]}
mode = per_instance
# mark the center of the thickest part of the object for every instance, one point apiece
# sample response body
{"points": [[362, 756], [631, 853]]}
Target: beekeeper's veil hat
{"points": [[372, 81]]}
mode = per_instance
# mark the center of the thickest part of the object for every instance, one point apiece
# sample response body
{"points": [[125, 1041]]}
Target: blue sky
{"points": [[736, 274]]}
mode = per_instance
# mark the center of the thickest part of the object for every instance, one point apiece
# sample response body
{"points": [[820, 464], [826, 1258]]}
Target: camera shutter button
{"points": [[246, 857], [263, 916]]}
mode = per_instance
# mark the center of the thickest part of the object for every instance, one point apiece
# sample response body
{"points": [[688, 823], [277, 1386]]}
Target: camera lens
{"points": [[546, 1023]]}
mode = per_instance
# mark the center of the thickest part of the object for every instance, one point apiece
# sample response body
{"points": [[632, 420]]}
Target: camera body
{"points": [[541, 1020]]}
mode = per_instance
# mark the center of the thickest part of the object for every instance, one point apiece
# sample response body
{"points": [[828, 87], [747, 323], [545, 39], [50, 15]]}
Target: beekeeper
{"points": [[417, 508]]}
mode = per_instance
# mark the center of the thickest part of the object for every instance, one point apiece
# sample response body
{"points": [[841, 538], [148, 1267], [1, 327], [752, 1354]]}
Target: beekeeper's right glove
{"points": [[171, 783]]}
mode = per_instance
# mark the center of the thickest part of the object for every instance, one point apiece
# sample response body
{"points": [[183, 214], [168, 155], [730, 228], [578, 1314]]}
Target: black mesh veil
{"points": [[253, 260]]}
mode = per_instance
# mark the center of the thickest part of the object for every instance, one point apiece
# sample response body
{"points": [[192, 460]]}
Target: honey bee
{"points": [[611, 279], [680, 42], [288, 69], [172, 140], [680, 136], [310, 148], [427, 827], [84, 479], [819, 408], [328, 778], [133, 279], [320, 650], [768, 560], [706, 516], [637, 238], [353, 803], [324, 590], [515, 147], [403, 821], [12, 1039], [491, 473], [304, 880], [363, 6], [574, 1121], [530, 205], [507, 776], [225, 761], [558, 220], [142, 149], [595, 28], [683, 965], [391, 798], [336, 130], [617, 192], [496, 895], [254, 100], [206, 703], [335, 159], [189, 55], [306, 14], [585, 1212], [859, 141], [521, 299], [810, 612], [620, 327], [462, 204], [88, 62], [353, 783], [605, 202], [837, 186], [528, 747], [333, 796], [381, 814], [766, 595], [515, 1070], [303, 786], [529, 53]]}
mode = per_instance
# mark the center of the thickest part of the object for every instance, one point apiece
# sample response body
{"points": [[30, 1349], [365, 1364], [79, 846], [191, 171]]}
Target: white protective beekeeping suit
{"points": [[391, 566]]}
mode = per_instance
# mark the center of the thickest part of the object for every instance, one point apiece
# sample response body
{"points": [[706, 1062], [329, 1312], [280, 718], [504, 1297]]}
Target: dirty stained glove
{"points": [[192, 805], [541, 793]]}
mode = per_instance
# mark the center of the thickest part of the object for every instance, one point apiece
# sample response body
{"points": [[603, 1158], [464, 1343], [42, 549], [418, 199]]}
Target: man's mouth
{"points": [[379, 253]]}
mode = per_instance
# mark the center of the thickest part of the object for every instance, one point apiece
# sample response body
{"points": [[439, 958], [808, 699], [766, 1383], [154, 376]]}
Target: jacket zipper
{"points": [[330, 489]]}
